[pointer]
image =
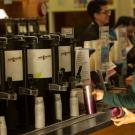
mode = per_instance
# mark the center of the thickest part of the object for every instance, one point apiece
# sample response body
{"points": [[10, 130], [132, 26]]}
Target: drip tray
{"points": [[74, 125]]}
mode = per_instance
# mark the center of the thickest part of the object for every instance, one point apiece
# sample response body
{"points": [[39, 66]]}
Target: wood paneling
{"points": [[22, 8], [14, 10], [30, 8]]}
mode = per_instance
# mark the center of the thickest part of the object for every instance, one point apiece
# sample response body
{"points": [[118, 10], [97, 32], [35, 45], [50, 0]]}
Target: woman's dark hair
{"points": [[94, 6], [125, 21]]}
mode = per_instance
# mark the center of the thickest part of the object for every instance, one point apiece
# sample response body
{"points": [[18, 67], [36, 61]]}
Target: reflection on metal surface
{"points": [[77, 125]]}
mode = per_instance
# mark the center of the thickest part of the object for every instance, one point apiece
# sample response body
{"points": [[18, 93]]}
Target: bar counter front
{"points": [[95, 124]]}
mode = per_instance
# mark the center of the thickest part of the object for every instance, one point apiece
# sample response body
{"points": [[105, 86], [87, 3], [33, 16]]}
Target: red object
{"points": [[117, 112]]}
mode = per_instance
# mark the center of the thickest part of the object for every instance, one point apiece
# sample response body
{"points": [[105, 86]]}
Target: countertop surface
{"points": [[81, 125]]}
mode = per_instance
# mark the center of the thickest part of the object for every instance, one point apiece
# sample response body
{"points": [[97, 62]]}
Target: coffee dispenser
{"points": [[3, 44], [66, 62], [65, 73], [16, 59], [40, 59], [6, 93], [42, 26], [28, 91], [7, 27], [13, 59], [32, 26], [20, 26]]}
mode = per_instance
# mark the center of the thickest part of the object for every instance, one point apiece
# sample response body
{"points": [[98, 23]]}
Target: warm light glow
{"points": [[3, 14]]}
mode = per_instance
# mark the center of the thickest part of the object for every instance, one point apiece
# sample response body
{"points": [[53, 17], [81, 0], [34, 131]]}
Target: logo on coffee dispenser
{"points": [[14, 59], [65, 53], [44, 57]]}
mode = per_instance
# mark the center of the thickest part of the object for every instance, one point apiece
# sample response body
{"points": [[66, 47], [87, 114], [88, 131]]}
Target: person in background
{"points": [[126, 100], [131, 61], [128, 23], [98, 11], [100, 14]]}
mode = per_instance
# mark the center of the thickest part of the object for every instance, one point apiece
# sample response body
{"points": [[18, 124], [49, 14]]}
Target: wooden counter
{"points": [[97, 124], [128, 129]]}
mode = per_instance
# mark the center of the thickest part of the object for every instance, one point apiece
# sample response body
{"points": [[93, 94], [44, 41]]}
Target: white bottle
{"points": [[74, 103], [39, 112], [3, 127], [58, 107]]}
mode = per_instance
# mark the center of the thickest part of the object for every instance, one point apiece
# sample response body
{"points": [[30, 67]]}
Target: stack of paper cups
{"points": [[3, 127], [74, 103], [39, 112], [58, 107]]}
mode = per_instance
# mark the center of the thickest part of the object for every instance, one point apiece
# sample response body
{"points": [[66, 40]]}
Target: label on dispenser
{"points": [[40, 63], [82, 59], [68, 31], [20, 28], [31, 29], [65, 58], [24, 29], [9, 29], [14, 65], [42, 28]]}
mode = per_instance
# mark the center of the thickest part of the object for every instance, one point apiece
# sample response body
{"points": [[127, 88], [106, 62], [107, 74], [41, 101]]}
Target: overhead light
{"points": [[3, 14]]}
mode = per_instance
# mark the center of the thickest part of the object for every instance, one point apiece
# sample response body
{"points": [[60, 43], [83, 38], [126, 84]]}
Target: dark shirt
{"points": [[91, 33]]}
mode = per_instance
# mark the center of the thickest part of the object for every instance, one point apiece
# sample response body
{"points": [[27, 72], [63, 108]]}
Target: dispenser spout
{"points": [[31, 91], [62, 84], [27, 91], [8, 96]]}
